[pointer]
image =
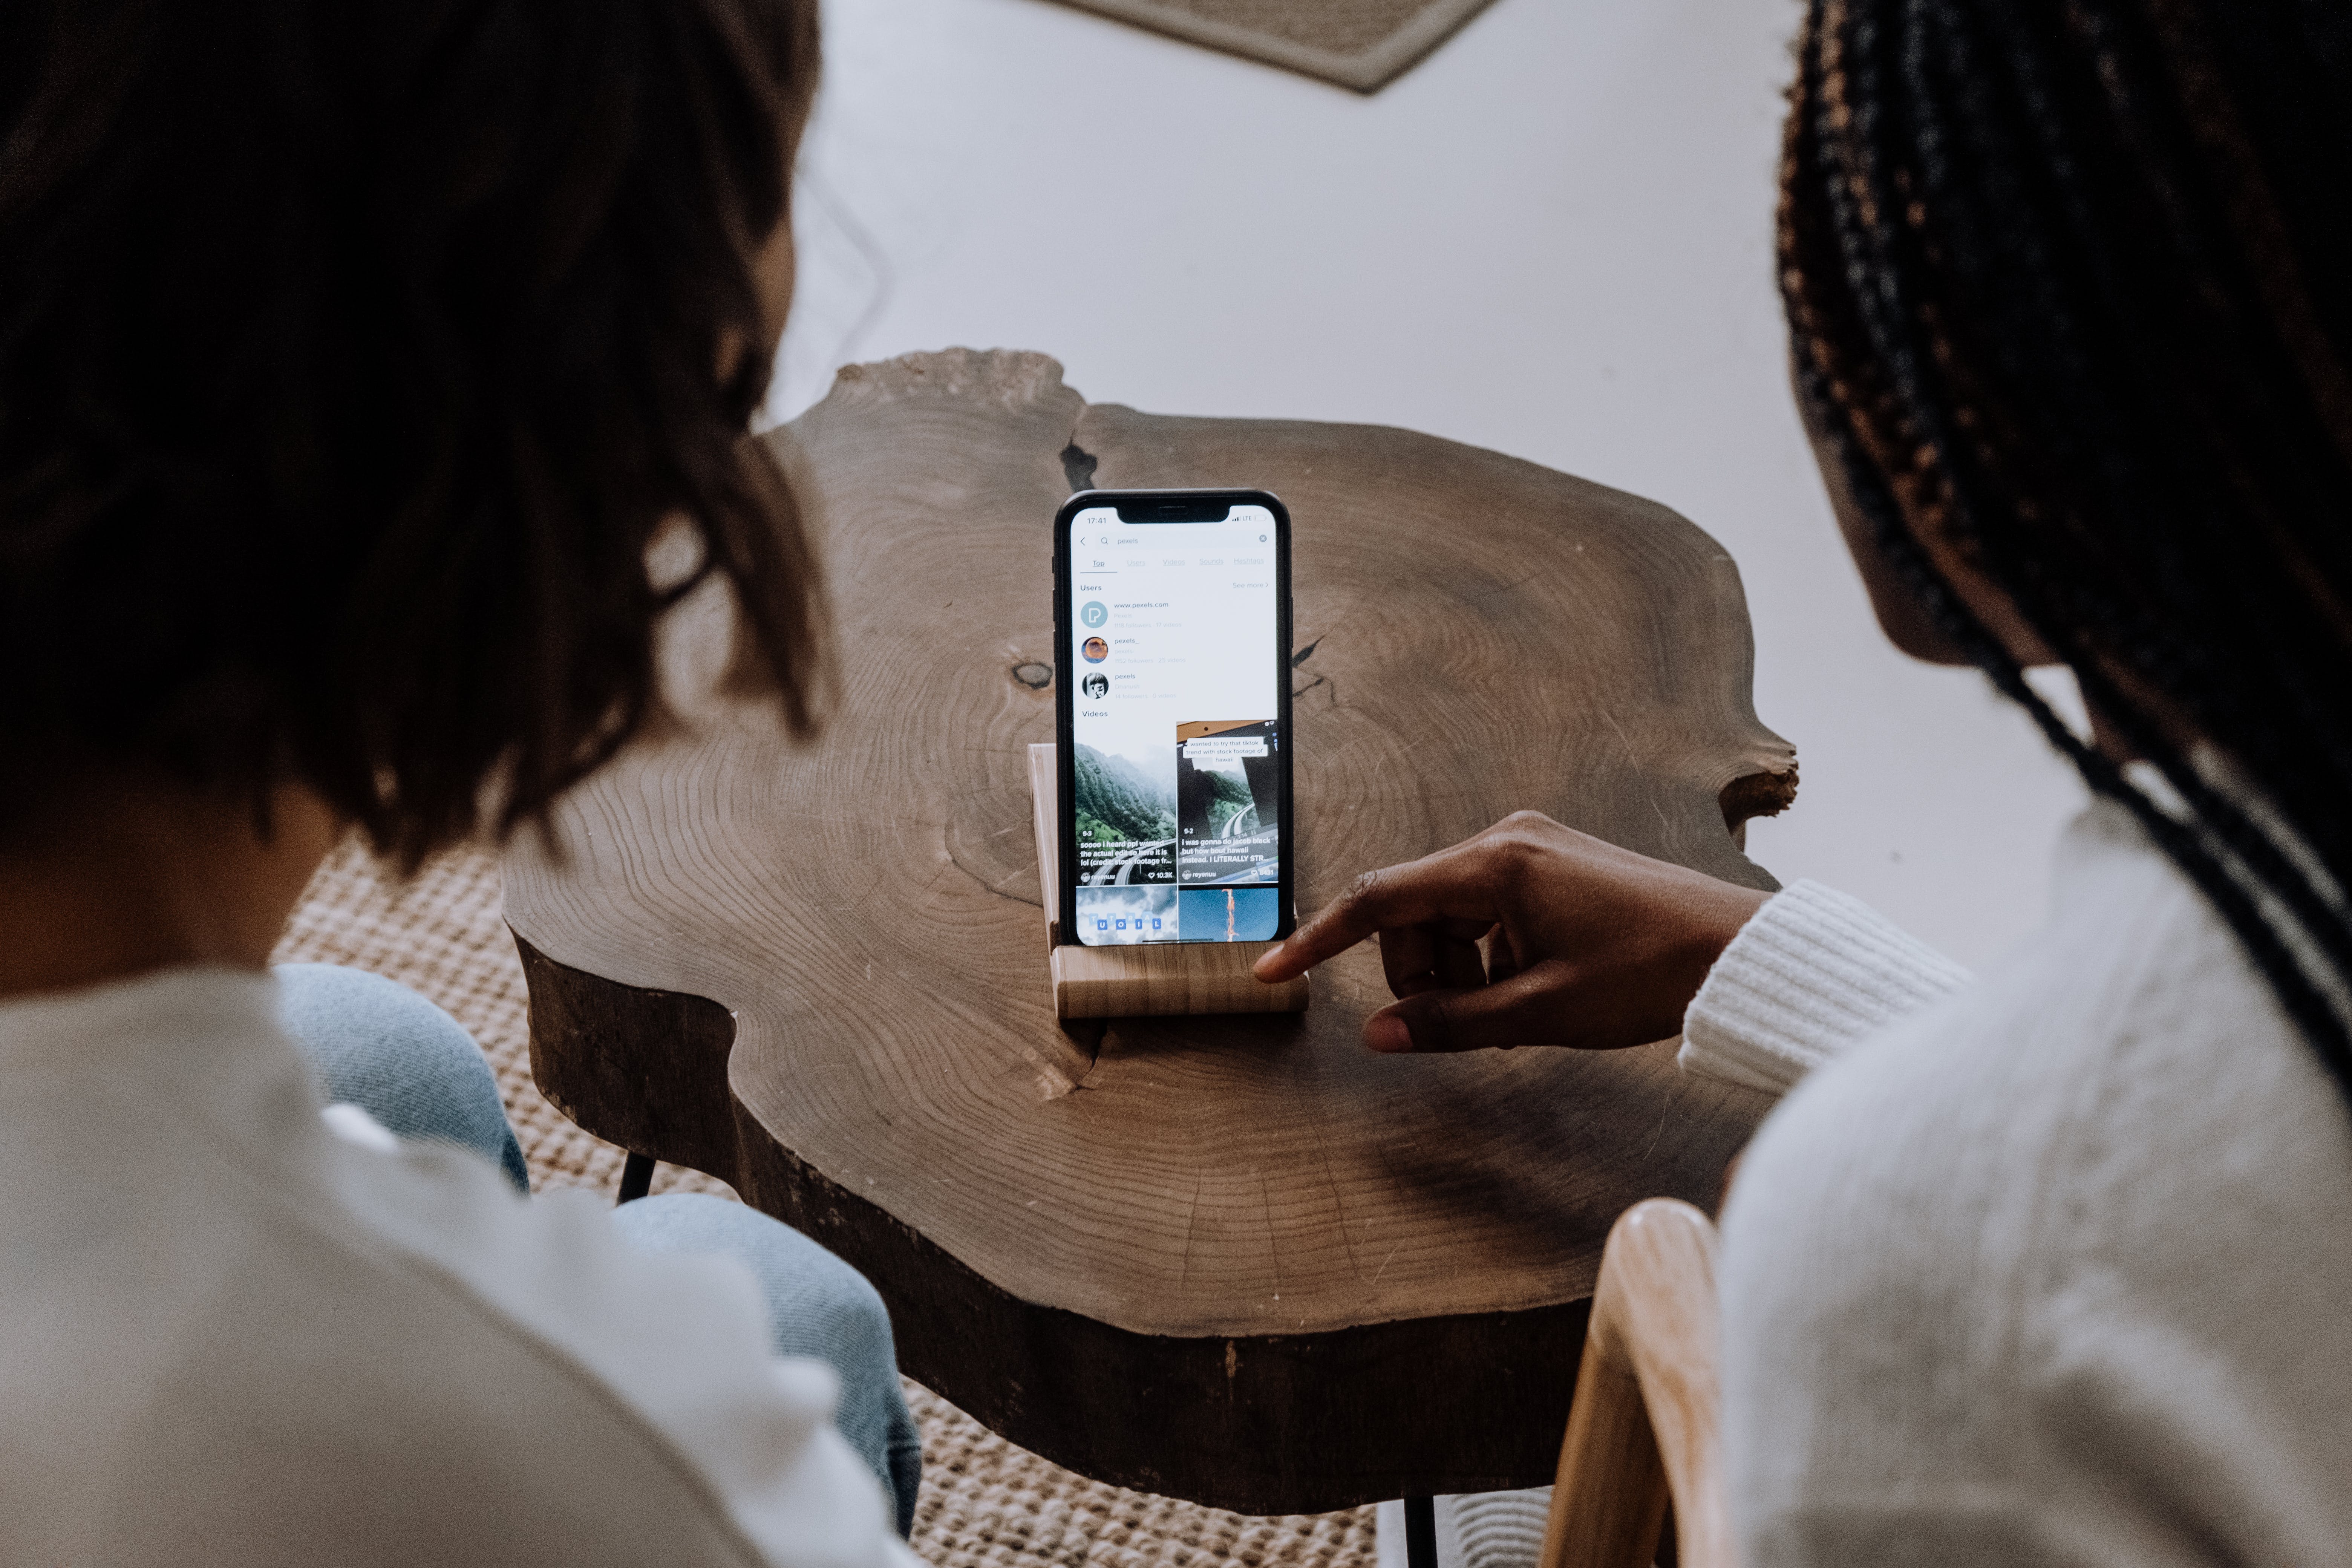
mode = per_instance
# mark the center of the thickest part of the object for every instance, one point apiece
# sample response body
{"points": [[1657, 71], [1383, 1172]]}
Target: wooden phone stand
{"points": [[1176, 977]]}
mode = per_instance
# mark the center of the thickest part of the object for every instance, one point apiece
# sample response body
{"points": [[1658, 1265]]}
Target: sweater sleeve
{"points": [[1811, 973]]}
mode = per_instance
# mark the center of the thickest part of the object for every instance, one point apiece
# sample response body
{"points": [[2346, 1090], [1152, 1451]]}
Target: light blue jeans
{"points": [[384, 1048]]}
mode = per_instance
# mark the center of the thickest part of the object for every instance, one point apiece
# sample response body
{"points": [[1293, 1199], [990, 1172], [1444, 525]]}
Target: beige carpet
{"points": [[985, 1503], [1362, 43]]}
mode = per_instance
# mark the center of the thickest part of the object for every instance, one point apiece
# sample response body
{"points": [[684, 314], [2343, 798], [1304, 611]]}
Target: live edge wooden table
{"points": [[1239, 1260]]}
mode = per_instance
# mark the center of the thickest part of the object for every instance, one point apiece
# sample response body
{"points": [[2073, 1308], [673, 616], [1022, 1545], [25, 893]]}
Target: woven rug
{"points": [[1362, 43], [984, 1503]]}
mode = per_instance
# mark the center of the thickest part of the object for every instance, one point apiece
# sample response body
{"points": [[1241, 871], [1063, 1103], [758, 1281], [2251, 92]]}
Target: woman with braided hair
{"points": [[2045, 1265]]}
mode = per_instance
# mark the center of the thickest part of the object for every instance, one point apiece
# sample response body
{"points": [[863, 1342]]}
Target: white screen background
{"points": [[1186, 615]]}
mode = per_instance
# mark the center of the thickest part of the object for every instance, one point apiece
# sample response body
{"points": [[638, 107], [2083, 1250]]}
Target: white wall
{"points": [[1551, 239]]}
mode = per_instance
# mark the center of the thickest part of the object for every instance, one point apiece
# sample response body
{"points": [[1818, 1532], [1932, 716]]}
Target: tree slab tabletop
{"points": [[1236, 1259]]}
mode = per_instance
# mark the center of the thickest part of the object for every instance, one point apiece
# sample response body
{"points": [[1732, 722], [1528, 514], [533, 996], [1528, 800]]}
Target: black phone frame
{"points": [[1163, 506]]}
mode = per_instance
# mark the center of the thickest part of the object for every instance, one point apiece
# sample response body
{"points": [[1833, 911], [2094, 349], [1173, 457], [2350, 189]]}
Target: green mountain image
{"points": [[1121, 798]]}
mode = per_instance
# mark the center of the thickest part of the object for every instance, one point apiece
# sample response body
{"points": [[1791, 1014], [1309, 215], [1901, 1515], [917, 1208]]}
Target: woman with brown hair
{"points": [[2047, 1264], [351, 357]]}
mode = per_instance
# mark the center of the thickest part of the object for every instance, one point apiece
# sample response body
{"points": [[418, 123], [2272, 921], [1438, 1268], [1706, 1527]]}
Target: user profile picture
{"points": [[1096, 685], [1095, 649]]}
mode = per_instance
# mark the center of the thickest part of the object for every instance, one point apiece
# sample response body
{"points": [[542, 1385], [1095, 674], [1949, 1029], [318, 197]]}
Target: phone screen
{"points": [[1177, 766]]}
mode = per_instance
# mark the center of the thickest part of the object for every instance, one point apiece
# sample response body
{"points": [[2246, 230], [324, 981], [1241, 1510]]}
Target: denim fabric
{"points": [[397, 1057], [413, 1067], [817, 1305]]}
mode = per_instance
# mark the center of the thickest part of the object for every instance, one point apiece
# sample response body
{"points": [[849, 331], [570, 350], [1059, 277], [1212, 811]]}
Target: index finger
{"points": [[1443, 886]]}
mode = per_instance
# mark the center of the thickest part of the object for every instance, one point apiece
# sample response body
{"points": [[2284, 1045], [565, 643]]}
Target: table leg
{"points": [[637, 1180], [1421, 1532]]}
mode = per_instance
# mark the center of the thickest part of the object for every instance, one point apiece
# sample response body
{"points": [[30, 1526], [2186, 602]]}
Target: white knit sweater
{"points": [[2050, 1267]]}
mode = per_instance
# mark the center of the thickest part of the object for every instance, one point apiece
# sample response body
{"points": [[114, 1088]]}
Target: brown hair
{"points": [[352, 354]]}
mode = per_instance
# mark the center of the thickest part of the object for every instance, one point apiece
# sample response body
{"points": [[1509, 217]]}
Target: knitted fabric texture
{"points": [[1814, 971]]}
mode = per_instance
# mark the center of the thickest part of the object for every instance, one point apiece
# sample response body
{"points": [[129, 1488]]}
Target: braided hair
{"points": [[2068, 285]]}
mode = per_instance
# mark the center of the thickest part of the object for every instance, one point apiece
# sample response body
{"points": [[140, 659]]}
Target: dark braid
{"points": [[2070, 287]]}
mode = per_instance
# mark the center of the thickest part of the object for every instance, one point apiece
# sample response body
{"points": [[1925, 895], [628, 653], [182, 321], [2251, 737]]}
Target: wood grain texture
{"points": [[1648, 1415], [1177, 979], [1238, 1260], [1608, 1495]]}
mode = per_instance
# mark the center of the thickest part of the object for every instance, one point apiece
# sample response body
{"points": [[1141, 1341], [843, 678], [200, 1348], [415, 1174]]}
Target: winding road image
{"points": [[1264, 857], [1242, 824], [1241, 833]]}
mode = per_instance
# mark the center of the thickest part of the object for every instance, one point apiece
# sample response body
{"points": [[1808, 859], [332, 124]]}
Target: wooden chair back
{"points": [[1645, 1426]]}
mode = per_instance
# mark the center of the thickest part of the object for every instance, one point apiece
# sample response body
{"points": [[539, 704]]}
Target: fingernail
{"points": [[1386, 1032], [1266, 958]]}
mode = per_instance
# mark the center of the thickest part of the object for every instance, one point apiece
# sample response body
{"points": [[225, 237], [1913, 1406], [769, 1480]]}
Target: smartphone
{"points": [[1171, 612]]}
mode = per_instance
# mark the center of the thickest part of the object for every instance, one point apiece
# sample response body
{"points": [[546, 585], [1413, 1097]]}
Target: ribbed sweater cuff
{"points": [[1811, 971]]}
